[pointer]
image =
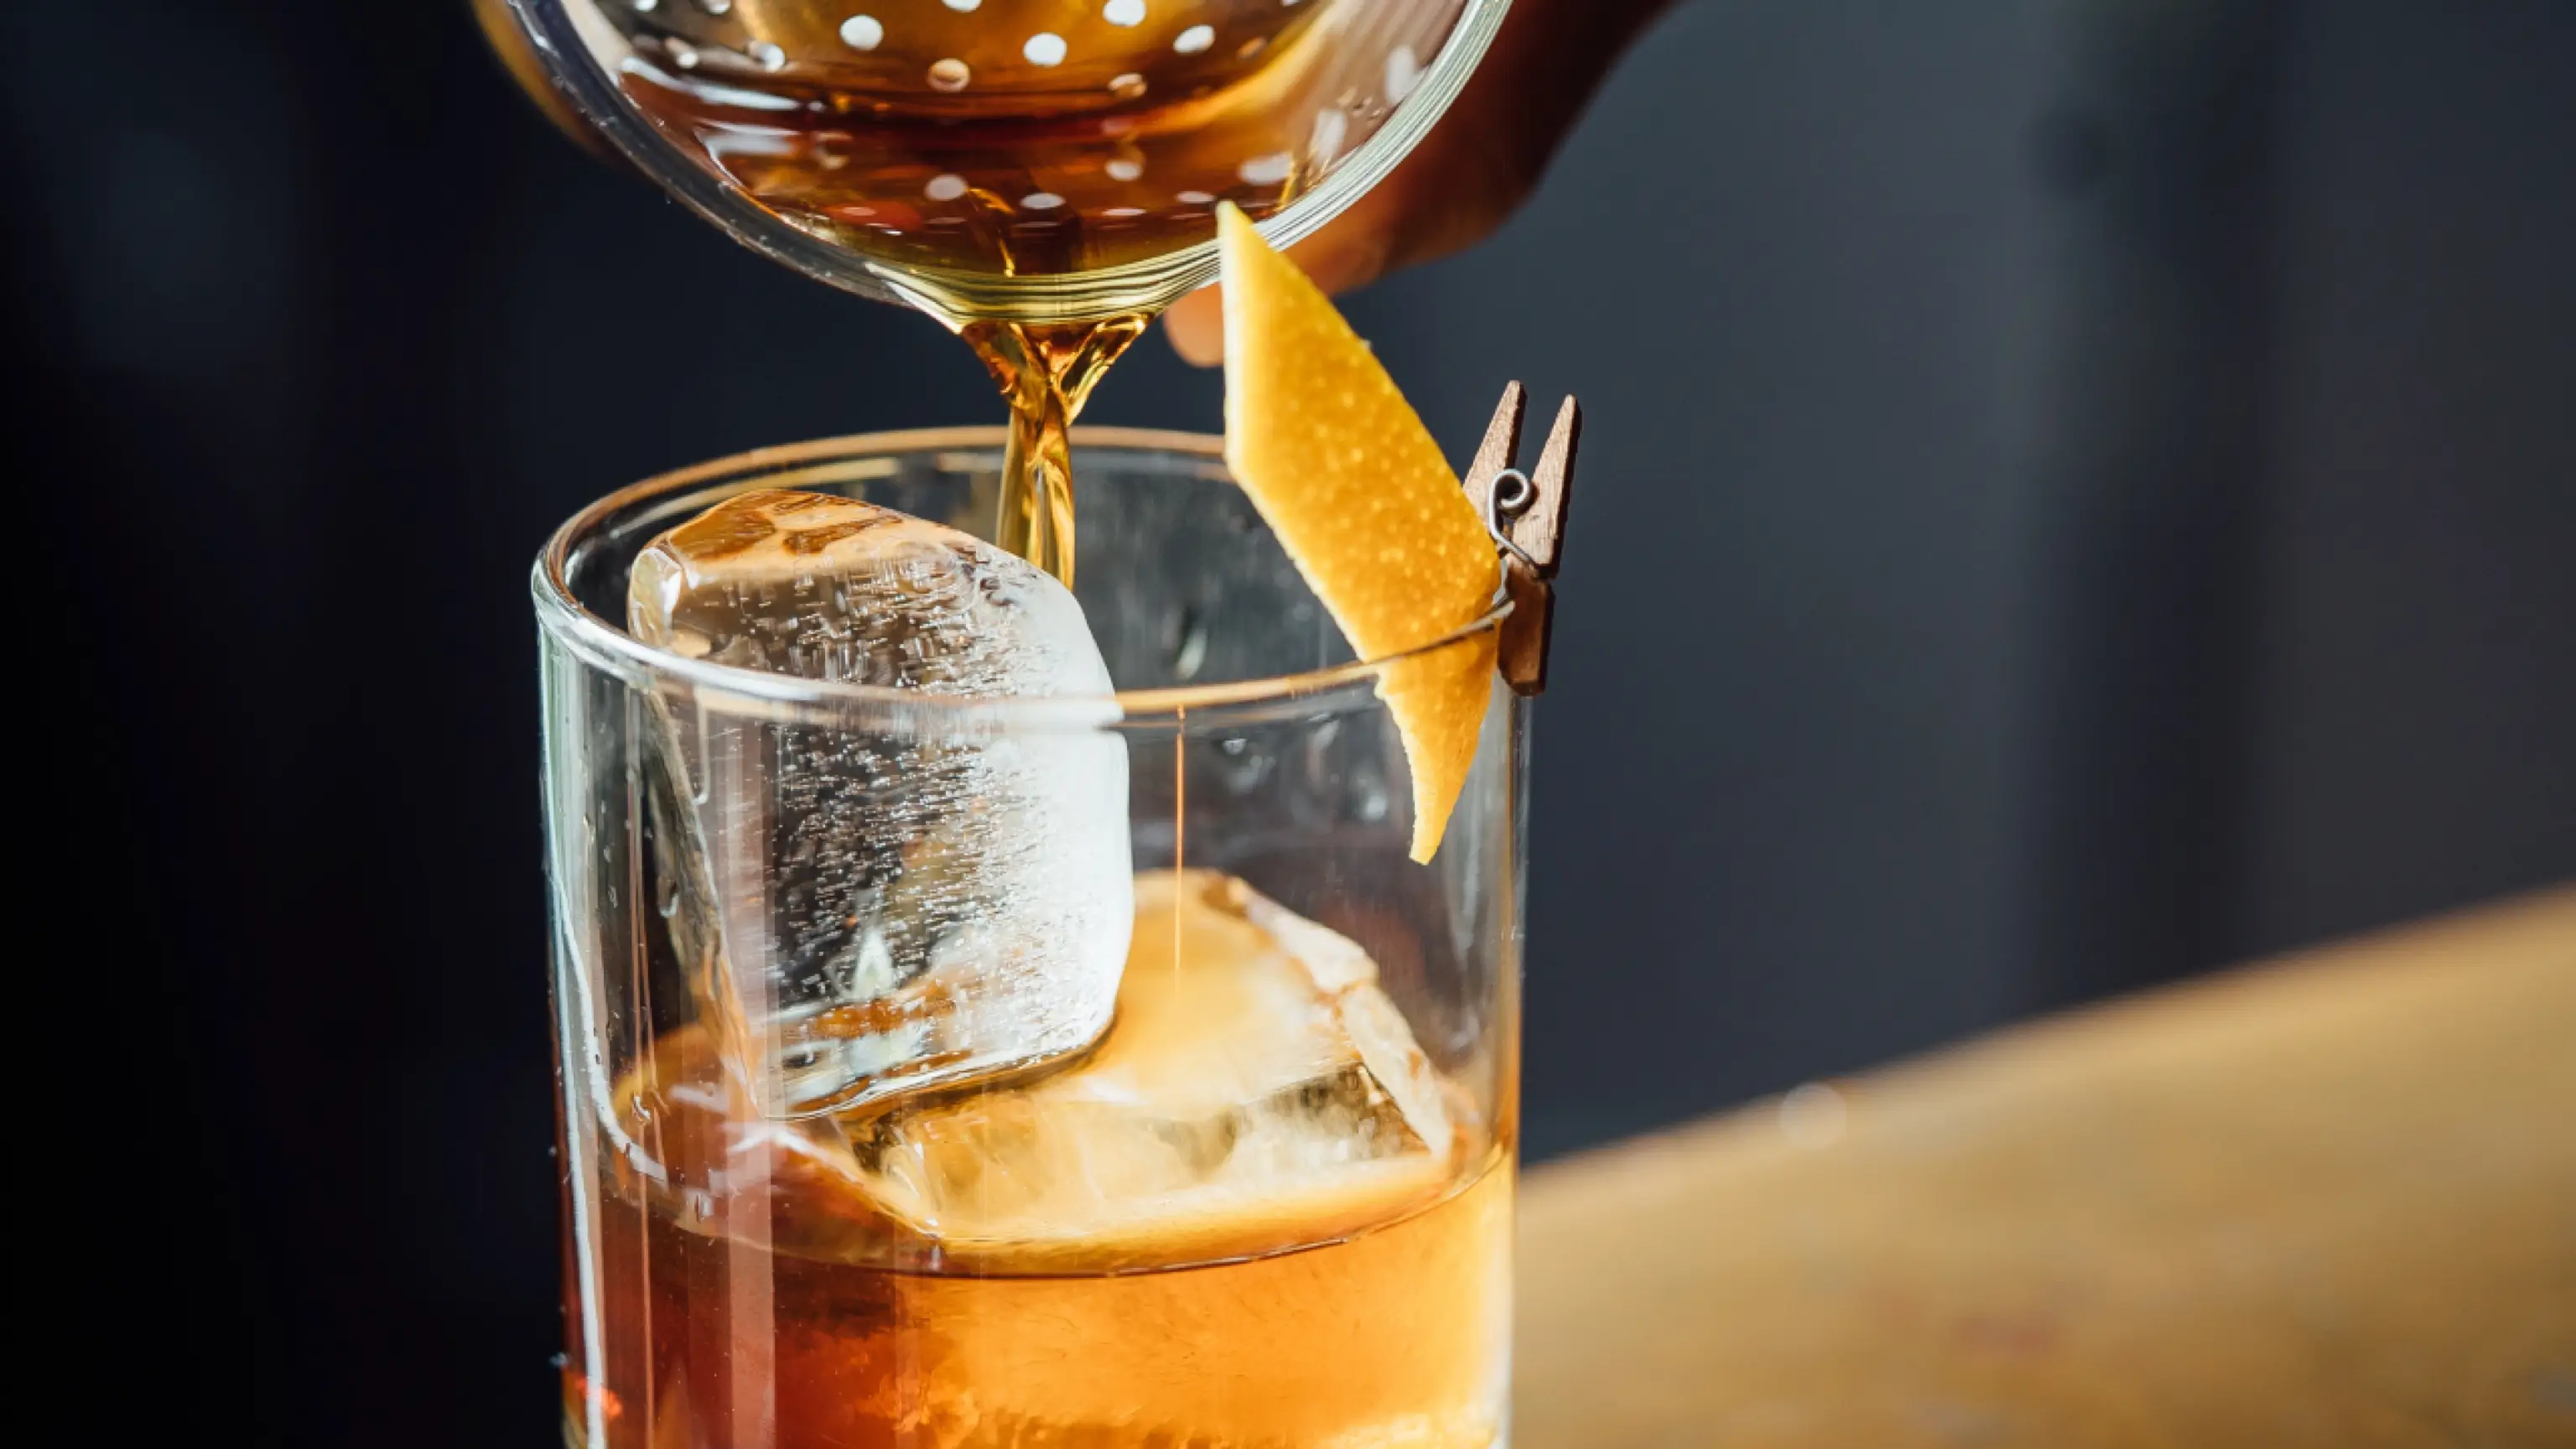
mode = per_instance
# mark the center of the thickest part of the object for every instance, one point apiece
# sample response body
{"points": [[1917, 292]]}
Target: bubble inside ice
{"points": [[874, 898]]}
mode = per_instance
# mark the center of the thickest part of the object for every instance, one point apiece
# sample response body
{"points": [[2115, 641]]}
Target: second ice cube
{"points": [[907, 897]]}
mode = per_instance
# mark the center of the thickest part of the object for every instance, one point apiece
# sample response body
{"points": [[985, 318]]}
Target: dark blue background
{"points": [[2075, 493]]}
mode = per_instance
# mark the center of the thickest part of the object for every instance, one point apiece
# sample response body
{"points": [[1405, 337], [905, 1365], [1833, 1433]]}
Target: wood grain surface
{"points": [[2324, 1201]]}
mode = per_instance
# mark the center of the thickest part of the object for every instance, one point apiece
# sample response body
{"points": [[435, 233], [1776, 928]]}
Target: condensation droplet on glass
{"points": [[646, 7], [1195, 39], [1319, 746], [1267, 170], [768, 55], [1192, 653], [716, 7], [1403, 72], [1125, 169], [1041, 201], [1123, 212], [1244, 773], [1368, 796], [683, 56], [948, 73], [1194, 198], [1127, 87], [1044, 48], [1124, 12], [1331, 129], [961, 6], [947, 186], [1235, 745], [862, 32]]}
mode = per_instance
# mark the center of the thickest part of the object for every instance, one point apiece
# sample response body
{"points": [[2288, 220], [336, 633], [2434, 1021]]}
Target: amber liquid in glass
{"points": [[1391, 1335], [1136, 1249]]}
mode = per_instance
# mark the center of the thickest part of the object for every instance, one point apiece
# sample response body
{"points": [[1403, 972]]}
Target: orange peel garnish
{"points": [[1359, 495]]}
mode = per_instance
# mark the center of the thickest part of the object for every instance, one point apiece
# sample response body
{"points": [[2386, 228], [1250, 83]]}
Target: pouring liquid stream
{"points": [[1046, 373]]}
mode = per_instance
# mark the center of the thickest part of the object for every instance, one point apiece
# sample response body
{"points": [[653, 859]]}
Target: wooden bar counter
{"points": [[2327, 1201]]}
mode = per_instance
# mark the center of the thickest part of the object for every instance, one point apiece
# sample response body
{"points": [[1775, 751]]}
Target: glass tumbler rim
{"points": [[1334, 689], [960, 296]]}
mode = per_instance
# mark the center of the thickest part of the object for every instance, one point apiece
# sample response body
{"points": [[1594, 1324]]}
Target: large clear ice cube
{"points": [[899, 898]]}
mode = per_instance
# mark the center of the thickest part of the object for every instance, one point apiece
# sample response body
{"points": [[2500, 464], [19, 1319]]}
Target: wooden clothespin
{"points": [[1526, 514]]}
